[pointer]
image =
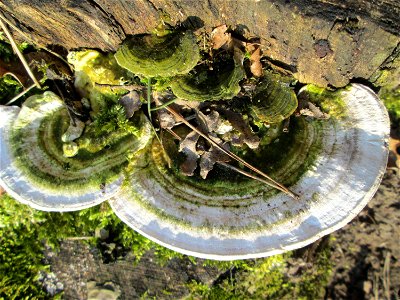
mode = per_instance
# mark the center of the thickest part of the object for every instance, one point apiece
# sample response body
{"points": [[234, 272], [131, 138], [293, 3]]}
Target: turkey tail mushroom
{"points": [[334, 164], [166, 56], [38, 169]]}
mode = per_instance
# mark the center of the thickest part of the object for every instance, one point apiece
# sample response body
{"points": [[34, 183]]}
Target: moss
{"points": [[391, 99], [94, 67], [267, 279], [9, 87], [329, 101]]}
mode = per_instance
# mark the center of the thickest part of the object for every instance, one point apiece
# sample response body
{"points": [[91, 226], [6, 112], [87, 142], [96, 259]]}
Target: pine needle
{"points": [[270, 181], [164, 105]]}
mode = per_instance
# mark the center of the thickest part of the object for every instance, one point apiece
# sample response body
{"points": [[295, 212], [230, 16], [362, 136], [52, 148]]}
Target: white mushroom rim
{"points": [[342, 179], [224, 221], [34, 169]]}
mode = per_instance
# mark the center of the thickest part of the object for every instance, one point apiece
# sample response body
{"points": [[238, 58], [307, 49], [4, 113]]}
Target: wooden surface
{"points": [[322, 42]]}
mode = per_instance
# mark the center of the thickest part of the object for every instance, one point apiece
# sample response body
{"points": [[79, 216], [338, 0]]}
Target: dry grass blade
{"points": [[270, 181], [18, 52], [132, 87], [386, 275], [21, 94]]}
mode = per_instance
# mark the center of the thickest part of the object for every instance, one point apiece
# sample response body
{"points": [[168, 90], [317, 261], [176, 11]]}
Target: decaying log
{"points": [[326, 42]]}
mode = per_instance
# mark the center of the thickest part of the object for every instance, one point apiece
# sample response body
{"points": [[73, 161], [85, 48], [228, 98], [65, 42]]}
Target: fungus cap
{"points": [[342, 169]]}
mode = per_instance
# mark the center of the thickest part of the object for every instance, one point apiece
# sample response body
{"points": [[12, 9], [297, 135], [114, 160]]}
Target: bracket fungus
{"points": [[221, 84], [335, 166], [166, 56], [273, 101], [38, 168], [332, 154]]}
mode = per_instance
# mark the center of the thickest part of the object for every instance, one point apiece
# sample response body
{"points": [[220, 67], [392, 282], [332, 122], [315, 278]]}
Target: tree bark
{"points": [[325, 42]]}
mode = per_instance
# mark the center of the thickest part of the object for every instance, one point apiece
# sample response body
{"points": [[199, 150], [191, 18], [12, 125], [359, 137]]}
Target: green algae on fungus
{"points": [[228, 217], [329, 101], [208, 85], [37, 169], [179, 195], [155, 56], [93, 67], [273, 100]]}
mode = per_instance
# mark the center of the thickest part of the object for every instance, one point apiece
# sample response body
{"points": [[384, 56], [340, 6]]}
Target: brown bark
{"points": [[326, 42]]}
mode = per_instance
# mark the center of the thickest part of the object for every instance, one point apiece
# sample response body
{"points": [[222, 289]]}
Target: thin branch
{"points": [[18, 52], [21, 94], [232, 155], [14, 76]]}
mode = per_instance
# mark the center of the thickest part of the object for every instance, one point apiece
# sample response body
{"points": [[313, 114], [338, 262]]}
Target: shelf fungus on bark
{"points": [[209, 85], [52, 165], [273, 100], [334, 164], [165, 56]]}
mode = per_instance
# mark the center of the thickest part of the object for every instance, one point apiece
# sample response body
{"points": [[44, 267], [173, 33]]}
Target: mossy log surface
{"points": [[321, 42]]}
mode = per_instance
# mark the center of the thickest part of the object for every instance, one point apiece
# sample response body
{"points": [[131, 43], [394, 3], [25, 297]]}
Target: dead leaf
{"points": [[242, 126], [255, 64], [211, 157], [311, 110], [188, 147], [131, 102], [209, 123], [394, 154], [220, 38]]}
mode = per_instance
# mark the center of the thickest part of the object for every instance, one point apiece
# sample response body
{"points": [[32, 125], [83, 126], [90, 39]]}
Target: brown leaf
{"points": [[255, 64], [313, 111], [220, 38], [246, 135], [394, 155], [209, 123], [209, 158], [131, 102], [188, 147]]}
